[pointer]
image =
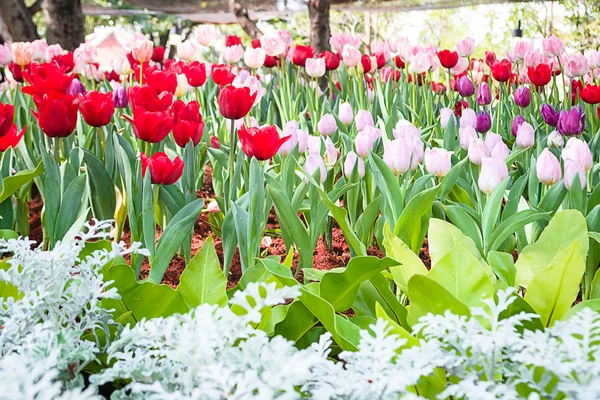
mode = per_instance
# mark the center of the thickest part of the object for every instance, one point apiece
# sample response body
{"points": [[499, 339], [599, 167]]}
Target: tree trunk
{"points": [[16, 22], [64, 23], [242, 16], [318, 13]]}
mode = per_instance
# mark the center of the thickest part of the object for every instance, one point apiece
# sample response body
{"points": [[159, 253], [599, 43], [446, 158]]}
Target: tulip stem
{"points": [[56, 148], [232, 143]]}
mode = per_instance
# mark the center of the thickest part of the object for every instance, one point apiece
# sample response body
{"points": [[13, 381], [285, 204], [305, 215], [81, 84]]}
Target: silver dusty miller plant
{"points": [[54, 314]]}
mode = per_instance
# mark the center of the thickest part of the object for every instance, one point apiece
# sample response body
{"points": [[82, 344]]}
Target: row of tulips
{"points": [[396, 133]]}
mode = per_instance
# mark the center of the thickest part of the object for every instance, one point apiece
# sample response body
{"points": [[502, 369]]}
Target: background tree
{"points": [[64, 23], [16, 20]]}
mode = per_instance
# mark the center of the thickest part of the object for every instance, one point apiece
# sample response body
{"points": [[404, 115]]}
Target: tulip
{"points": [[142, 50], [163, 171], [522, 97], [438, 161], [465, 135], [233, 40], [221, 74], [254, 58], [7, 113], [351, 56], [57, 114], [491, 140], [332, 60], [517, 121], [145, 97], [272, 44], [553, 46], [187, 123], [6, 54], [327, 125], [405, 128], [195, 72], [398, 155], [448, 58], [578, 150], [214, 142], [233, 54], [16, 71], [363, 142], [399, 62], [525, 135], [484, 95], [555, 139], [590, 94], [314, 162], [352, 162], [11, 138], [363, 118], [182, 86], [158, 54], [235, 103], [540, 75], [301, 54], [22, 53], [120, 97], [187, 51], [465, 47], [493, 172], [501, 70], [151, 127], [476, 150], [205, 34], [420, 63], [261, 143], [571, 122], [465, 87], [468, 118], [368, 64], [445, 115], [490, 58], [345, 114], [550, 115], [483, 122], [76, 87], [289, 130], [548, 168], [315, 67], [161, 81], [45, 78], [521, 48], [97, 108], [213, 207], [573, 169], [575, 65], [331, 153]]}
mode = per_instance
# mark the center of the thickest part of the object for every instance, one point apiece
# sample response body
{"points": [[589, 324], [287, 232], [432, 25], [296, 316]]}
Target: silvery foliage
{"points": [[51, 328]]}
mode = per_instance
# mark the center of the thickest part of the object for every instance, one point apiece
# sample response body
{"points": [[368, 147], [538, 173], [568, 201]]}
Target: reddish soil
{"points": [[35, 217]]}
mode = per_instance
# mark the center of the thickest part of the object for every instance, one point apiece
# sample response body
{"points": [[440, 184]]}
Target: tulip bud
{"points": [[465, 136], [445, 115], [314, 144], [345, 114], [313, 163], [76, 87], [522, 97], [254, 58], [398, 155], [302, 140], [476, 150], [233, 54], [525, 135], [353, 161], [213, 207], [465, 87], [548, 168], [555, 139], [363, 118], [315, 67], [351, 56], [484, 95], [574, 168], [483, 122], [290, 129], [578, 150], [517, 121], [120, 97], [187, 51], [571, 122], [465, 47], [327, 125], [438, 161], [142, 50], [493, 172], [468, 118], [550, 115]]}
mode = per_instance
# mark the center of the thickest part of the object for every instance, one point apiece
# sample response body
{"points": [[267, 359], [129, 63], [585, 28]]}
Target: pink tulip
{"points": [[500, 150], [331, 153], [593, 58], [272, 44], [578, 150], [521, 48], [6, 55], [406, 129], [420, 62], [465, 47], [314, 162], [233, 54], [445, 115], [315, 67], [353, 161], [460, 67], [476, 150], [205, 34], [493, 172], [363, 118], [22, 53], [548, 168], [142, 49], [465, 136], [525, 135], [553, 46], [351, 56], [327, 125], [572, 169], [345, 114], [575, 65], [491, 140], [555, 139], [468, 118], [38, 50], [314, 144], [53, 50], [302, 140], [398, 155], [438, 161], [254, 58], [290, 129]]}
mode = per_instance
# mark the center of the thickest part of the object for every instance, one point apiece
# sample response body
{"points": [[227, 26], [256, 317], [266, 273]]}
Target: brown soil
{"points": [[35, 218]]}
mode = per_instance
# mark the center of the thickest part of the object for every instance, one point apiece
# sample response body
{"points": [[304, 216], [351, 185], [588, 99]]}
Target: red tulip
{"points": [[57, 113], [459, 106], [232, 40], [256, 44], [161, 81], [235, 103], [301, 53], [163, 171], [271, 61], [7, 114], [501, 70], [65, 61], [44, 78], [132, 61], [145, 97], [214, 142], [150, 127], [97, 108], [332, 60], [195, 73], [448, 59], [438, 87], [399, 62], [158, 54], [589, 94], [540, 75], [11, 138], [490, 58], [261, 143], [365, 61], [576, 88], [17, 71], [221, 74], [112, 76], [187, 123], [380, 57]]}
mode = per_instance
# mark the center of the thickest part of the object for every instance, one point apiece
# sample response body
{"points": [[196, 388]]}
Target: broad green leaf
{"points": [[203, 281], [412, 225], [410, 263], [553, 290], [428, 296], [70, 206], [11, 184], [7, 234], [411, 341], [512, 224], [465, 222], [297, 323], [102, 190], [592, 304], [503, 265], [443, 237], [567, 227]]}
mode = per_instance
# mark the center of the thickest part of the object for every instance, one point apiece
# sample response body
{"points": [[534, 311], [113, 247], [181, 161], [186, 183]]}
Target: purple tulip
{"points": [[550, 115], [483, 122], [120, 97], [522, 97], [517, 121], [465, 87], [484, 96], [76, 87], [571, 122]]}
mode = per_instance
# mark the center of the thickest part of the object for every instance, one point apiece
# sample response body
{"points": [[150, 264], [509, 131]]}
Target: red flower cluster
{"points": [[9, 136], [187, 123]]}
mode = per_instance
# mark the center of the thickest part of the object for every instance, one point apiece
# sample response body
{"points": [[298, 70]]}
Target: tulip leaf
{"points": [[410, 263], [70, 206], [512, 224], [11, 184], [503, 265], [465, 222], [102, 190], [491, 212], [412, 225]]}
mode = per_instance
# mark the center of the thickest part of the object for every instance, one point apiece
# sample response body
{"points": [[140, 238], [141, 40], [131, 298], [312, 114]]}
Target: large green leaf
{"points": [[503, 265], [102, 189], [412, 225], [396, 329], [410, 263], [70, 206], [567, 227], [203, 281], [553, 290], [11, 184], [428, 296], [512, 224]]}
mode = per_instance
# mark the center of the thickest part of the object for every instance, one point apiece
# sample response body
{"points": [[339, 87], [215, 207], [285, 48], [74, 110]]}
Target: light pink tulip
{"points": [[53, 50], [476, 150], [578, 150], [438, 161], [315, 67], [491, 140], [142, 50], [351, 56], [345, 113], [493, 172], [6, 54], [22, 52], [553, 46], [290, 129], [398, 155], [38, 50], [419, 63], [465, 47], [331, 153], [575, 65], [555, 139], [573, 169], [254, 58], [460, 67], [272, 44], [353, 161], [525, 135], [363, 118], [521, 48], [548, 168], [465, 136], [327, 125], [468, 118], [314, 162], [187, 51], [406, 129], [593, 58], [445, 115], [314, 144], [233, 54], [205, 34], [302, 140], [340, 40], [533, 59], [363, 142]]}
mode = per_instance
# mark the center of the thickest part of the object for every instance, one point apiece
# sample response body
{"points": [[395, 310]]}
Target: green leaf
{"points": [[592, 304], [465, 222], [102, 190], [11, 184], [8, 234], [512, 224], [491, 212], [567, 227], [412, 225], [553, 290], [503, 265], [451, 178], [443, 237], [172, 237], [70, 206], [411, 264], [7, 289], [396, 329], [428, 296], [203, 281]]}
